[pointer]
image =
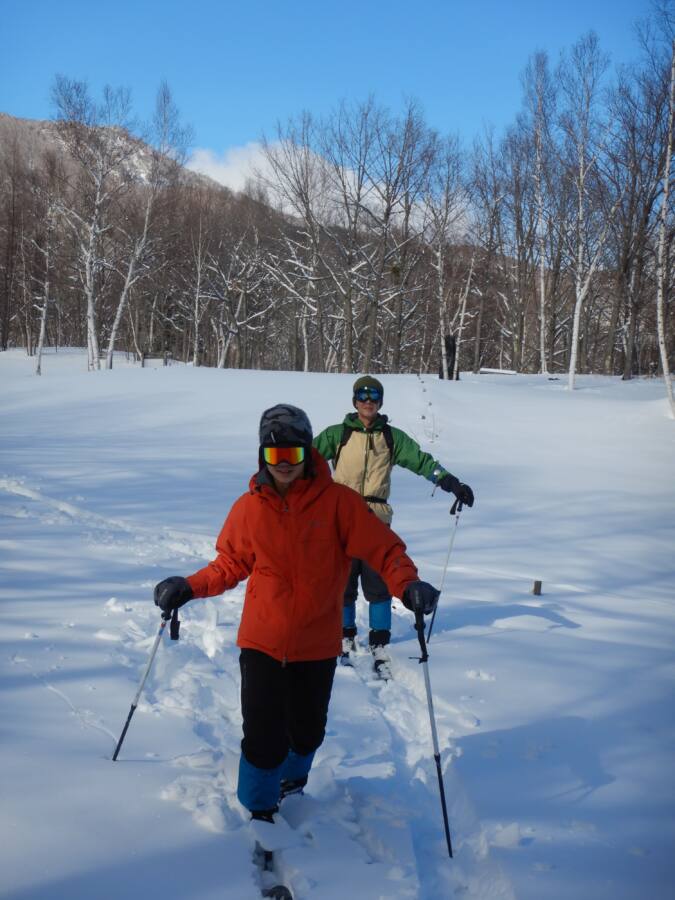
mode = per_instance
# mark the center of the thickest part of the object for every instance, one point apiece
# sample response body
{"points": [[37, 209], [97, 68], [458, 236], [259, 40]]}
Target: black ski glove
{"points": [[454, 486], [420, 596], [172, 593]]}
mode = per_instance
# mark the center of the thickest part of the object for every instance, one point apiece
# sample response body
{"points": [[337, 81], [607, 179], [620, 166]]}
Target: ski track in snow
{"points": [[86, 717], [170, 543], [370, 822], [140, 541], [374, 767]]}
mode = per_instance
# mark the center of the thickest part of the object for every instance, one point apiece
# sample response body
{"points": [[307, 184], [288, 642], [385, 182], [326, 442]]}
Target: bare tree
{"points": [[347, 142], [374, 251], [445, 203], [487, 195], [664, 224], [299, 181], [158, 170], [580, 77], [398, 168], [540, 99], [46, 188], [96, 136]]}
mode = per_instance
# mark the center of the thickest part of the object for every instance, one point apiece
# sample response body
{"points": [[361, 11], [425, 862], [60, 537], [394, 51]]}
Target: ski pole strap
{"points": [[419, 628], [174, 629], [456, 506]]}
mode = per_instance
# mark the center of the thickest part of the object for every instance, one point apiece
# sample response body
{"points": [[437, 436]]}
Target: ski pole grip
{"points": [[174, 628], [419, 620], [419, 628]]}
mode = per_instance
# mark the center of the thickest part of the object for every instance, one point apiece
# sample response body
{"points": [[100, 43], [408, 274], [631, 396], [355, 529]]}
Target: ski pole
{"points": [[454, 511], [419, 627], [175, 626]]}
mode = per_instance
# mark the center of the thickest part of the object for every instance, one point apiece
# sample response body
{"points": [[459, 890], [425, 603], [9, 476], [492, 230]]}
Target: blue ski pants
{"points": [[376, 593]]}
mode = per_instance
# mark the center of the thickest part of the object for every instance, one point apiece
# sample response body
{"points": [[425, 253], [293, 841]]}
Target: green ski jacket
{"points": [[364, 457]]}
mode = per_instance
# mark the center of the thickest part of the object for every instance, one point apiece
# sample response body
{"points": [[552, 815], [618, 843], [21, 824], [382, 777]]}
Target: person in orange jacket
{"points": [[293, 535]]}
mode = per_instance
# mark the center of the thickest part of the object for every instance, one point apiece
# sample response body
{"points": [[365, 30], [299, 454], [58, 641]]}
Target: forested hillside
{"points": [[374, 237]]}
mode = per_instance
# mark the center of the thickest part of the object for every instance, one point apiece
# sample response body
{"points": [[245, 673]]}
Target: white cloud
{"points": [[233, 169]]}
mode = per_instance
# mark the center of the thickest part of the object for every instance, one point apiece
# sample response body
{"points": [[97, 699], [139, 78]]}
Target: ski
{"points": [[382, 670], [264, 859]]}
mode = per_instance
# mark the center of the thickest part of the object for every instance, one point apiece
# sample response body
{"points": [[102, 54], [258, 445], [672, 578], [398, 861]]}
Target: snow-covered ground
{"points": [[555, 712]]}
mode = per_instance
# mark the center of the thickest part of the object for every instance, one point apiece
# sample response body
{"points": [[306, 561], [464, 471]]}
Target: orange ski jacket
{"points": [[296, 553]]}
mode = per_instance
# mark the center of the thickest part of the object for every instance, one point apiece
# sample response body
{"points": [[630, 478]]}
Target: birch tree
{"points": [[47, 196], [540, 99], [12, 181], [665, 223], [346, 143], [445, 207], [45, 298], [461, 310], [96, 136], [299, 181], [237, 285], [158, 170], [635, 159], [516, 240], [487, 194], [580, 77]]}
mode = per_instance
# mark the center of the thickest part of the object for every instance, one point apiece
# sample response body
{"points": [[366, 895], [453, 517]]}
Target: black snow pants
{"points": [[284, 707]]}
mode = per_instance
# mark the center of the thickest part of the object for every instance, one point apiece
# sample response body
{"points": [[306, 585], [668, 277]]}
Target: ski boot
{"points": [[348, 645], [378, 640]]}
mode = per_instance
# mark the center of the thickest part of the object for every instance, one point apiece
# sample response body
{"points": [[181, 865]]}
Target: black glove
{"points": [[420, 596], [172, 593], [454, 486]]}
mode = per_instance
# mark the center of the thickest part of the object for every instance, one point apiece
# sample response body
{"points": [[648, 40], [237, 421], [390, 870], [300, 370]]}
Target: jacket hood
{"points": [[351, 420]]}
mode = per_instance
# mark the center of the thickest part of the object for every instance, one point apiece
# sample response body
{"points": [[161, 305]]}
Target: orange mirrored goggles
{"points": [[291, 455]]}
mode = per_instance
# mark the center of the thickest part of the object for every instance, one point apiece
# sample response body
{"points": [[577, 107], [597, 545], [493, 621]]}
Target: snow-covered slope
{"points": [[555, 713]]}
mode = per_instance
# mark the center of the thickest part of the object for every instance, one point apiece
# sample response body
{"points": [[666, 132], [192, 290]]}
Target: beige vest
{"points": [[365, 466]]}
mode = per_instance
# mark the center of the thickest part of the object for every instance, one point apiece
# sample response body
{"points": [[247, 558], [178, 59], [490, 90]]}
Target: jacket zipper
{"points": [[365, 464], [286, 509]]}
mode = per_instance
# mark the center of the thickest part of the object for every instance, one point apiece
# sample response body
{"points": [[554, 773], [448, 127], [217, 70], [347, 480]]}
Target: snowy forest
{"points": [[368, 241]]}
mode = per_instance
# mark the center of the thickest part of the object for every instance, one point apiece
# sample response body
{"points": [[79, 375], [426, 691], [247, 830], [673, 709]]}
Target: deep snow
{"points": [[555, 713]]}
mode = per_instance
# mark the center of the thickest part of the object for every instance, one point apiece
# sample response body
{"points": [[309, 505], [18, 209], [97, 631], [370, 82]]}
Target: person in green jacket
{"points": [[364, 448]]}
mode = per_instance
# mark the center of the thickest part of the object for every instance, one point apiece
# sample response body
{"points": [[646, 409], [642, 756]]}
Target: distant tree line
{"points": [[369, 239]]}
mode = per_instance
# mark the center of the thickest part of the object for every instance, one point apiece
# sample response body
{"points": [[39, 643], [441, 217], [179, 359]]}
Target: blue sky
{"points": [[237, 68]]}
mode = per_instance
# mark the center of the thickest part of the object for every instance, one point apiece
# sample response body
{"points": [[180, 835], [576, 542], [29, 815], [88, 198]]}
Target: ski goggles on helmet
{"points": [[368, 393], [291, 455]]}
